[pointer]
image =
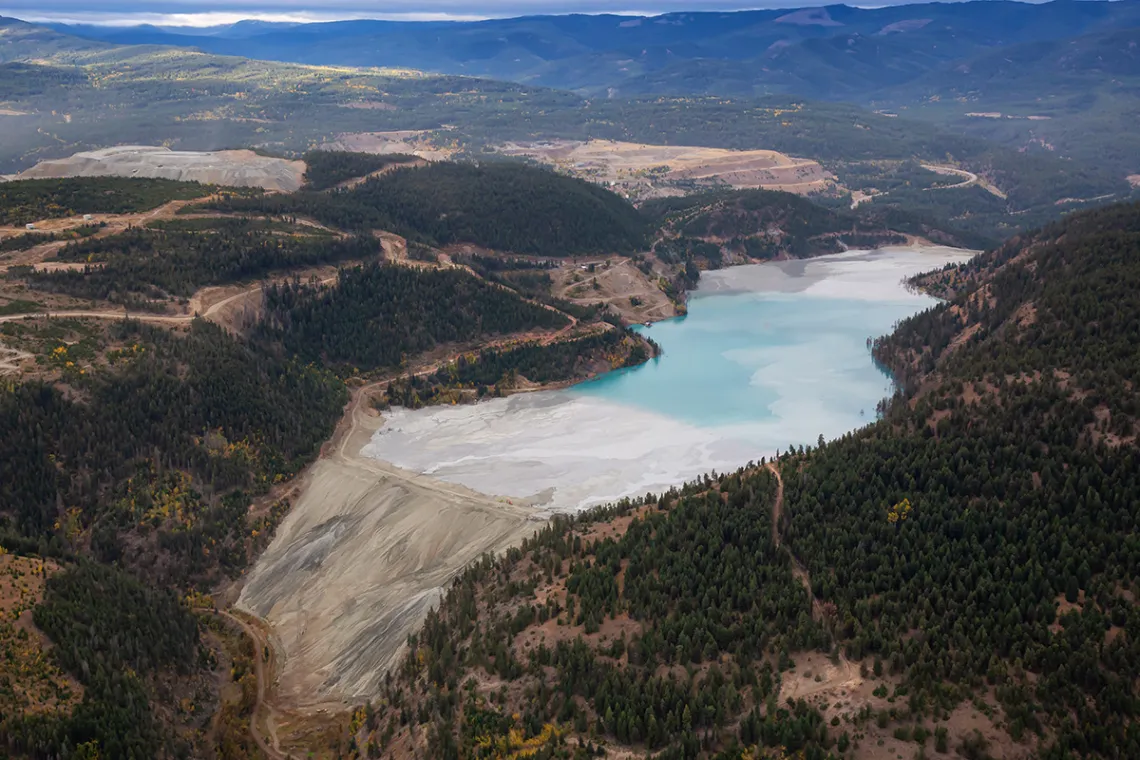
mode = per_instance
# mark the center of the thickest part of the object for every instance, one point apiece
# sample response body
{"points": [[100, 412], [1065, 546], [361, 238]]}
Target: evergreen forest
{"points": [[495, 204], [35, 199], [380, 316], [973, 550]]}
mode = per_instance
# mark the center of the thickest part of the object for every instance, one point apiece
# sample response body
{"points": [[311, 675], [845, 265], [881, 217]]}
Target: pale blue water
{"points": [[750, 357], [769, 356]]}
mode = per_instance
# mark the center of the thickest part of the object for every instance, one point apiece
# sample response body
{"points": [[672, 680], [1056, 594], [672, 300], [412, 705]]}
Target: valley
{"points": [[337, 515], [694, 386]]}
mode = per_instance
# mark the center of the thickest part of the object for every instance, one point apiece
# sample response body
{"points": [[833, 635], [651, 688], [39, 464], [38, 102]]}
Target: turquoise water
{"points": [[749, 357], [769, 356]]}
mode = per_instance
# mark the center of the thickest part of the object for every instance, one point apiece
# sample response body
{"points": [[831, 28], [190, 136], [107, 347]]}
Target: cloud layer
{"points": [[211, 12]]}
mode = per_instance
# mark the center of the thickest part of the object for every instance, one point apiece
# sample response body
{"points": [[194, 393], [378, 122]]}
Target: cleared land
{"points": [[968, 179], [233, 168], [1134, 180], [30, 681], [616, 282], [362, 556], [645, 171], [411, 141]]}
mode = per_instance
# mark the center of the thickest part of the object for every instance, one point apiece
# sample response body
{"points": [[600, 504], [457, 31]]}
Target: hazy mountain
{"points": [[837, 52]]}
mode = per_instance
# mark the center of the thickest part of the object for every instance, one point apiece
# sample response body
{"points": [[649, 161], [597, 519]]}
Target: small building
{"points": [[87, 217], [29, 226]]}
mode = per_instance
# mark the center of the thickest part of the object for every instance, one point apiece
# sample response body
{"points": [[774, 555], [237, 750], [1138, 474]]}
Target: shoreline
{"points": [[913, 242], [365, 550], [368, 547]]}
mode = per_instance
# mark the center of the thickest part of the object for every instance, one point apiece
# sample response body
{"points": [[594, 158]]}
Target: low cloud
{"points": [[214, 12]]}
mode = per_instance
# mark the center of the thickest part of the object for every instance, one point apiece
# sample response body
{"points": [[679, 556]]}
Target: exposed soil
{"points": [[109, 224], [411, 141], [1134, 180], [968, 179], [350, 183], [233, 168], [11, 360], [619, 284], [262, 722], [646, 171], [363, 554]]}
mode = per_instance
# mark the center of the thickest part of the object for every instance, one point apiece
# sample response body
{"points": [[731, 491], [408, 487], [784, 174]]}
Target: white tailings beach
{"points": [[567, 450], [770, 355]]}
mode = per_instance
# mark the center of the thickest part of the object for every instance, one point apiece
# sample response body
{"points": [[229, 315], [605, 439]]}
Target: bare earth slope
{"points": [[653, 170], [234, 168], [362, 556]]}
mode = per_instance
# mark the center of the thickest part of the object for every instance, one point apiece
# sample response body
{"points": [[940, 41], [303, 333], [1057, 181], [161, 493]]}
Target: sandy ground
{"points": [[234, 168], [414, 142], [640, 169], [11, 360], [617, 283], [362, 556], [561, 450]]}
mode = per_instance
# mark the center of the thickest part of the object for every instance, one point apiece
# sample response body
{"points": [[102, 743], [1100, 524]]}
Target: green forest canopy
{"points": [[31, 200], [506, 206], [378, 316], [977, 542]]}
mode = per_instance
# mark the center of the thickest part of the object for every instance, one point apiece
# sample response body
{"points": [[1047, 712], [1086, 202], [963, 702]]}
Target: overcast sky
{"points": [[207, 12]]}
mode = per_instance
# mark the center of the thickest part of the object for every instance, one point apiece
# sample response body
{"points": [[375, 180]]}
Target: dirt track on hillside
{"points": [[968, 179]]}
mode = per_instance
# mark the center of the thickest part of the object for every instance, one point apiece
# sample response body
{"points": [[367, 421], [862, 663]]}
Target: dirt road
{"points": [[778, 505], [968, 179], [823, 675], [10, 359], [112, 225], [264, 685]]}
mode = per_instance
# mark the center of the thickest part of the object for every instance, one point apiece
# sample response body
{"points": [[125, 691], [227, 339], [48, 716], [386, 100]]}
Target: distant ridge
{"points": [[790, 50]]}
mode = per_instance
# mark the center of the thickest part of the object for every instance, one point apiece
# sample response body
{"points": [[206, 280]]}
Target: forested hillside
{"points": [[144, 465], [150, 443], [756, 224], [970, 553], [142, 449], [31, 200], [326, 169], [495, 205], [497, 371], [145, 268], [381, 315]]}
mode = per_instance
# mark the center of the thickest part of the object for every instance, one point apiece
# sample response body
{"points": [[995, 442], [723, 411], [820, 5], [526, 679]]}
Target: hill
{"points": [[507, 206], [813, 52], [149, 460], [1071, 61], [1068, 97], [960, 571], [78, 97], [764, 224]]}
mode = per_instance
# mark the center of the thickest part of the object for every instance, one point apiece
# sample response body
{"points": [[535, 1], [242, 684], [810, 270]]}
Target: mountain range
{"points": [[1061, 77], [833, 52]]}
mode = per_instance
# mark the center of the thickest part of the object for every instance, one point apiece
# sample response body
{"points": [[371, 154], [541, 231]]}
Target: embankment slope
{"points": [[362, 556]]}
